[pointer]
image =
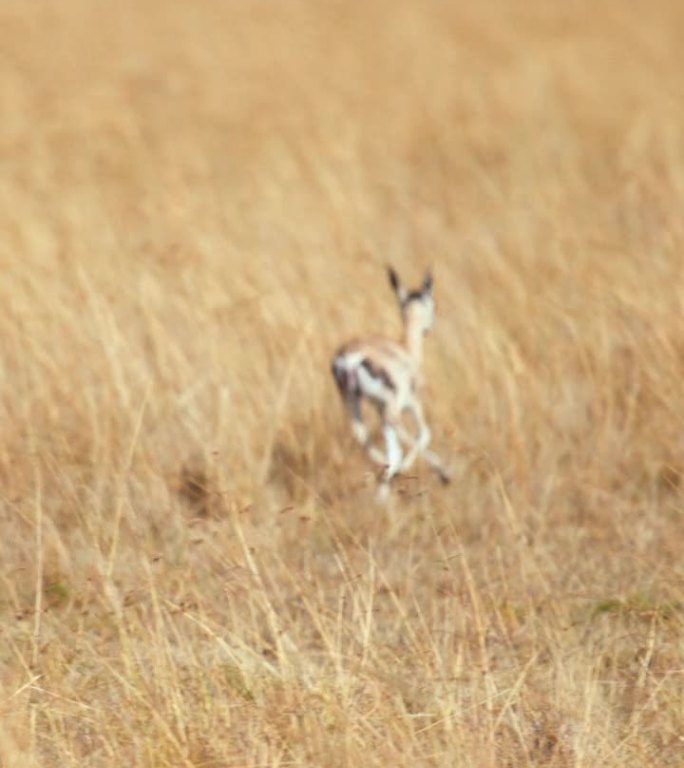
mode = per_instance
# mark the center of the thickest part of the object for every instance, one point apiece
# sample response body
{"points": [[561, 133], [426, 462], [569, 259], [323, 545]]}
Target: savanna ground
{"points": [[198, 202]]}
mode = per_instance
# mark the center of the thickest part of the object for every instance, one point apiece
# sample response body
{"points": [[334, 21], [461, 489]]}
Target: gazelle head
{"points": [[418, 306]]}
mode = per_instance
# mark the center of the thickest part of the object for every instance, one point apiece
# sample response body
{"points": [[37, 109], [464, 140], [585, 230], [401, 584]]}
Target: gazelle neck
{"points": [[413, 341]]}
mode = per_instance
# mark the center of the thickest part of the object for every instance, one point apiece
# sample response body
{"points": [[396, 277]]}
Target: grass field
{"points": [[198, 204]]}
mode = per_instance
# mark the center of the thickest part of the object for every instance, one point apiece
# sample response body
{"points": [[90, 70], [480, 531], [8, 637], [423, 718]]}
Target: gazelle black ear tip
{"points": [[393, 277], [427, 281]]}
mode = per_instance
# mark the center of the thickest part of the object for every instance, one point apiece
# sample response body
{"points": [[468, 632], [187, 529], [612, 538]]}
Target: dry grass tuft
{"points": [[198, 201]]}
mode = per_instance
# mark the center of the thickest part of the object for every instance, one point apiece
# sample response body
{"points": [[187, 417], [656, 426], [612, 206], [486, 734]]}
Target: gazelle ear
{"points": [[397, 287], [427, 282], [394, 279]]}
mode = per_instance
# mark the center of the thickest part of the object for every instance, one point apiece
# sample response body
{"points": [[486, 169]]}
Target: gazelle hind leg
{"points": [[392, 459], [392, 451], [360, 430]]}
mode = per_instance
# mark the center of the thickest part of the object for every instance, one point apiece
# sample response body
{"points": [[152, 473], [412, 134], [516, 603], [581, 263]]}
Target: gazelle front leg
{"points": [[422, 438], [436, 465], [419, 444]]}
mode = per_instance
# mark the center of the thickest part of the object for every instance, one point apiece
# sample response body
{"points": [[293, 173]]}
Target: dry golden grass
{"points": [[198, 201]]}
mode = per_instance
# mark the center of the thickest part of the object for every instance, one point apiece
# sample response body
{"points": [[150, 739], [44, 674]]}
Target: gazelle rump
{"points": [[388, 375]]}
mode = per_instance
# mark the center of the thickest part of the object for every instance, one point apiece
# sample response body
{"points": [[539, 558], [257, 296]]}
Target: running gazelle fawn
{"points": [[388, 375]]}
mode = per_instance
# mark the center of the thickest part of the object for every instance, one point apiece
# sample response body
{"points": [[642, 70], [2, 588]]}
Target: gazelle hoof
{"points": [[444, 476]]}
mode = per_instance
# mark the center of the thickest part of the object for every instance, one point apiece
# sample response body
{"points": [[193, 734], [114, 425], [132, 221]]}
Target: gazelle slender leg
{"points": [[431, 458], [422, 439], [436, 465], [360, 430], [419, 445], [392, 451], [392, 461]]}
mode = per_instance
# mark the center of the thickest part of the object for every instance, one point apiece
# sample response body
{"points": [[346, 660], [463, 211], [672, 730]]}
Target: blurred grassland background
{"points": [[197, 202]]}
